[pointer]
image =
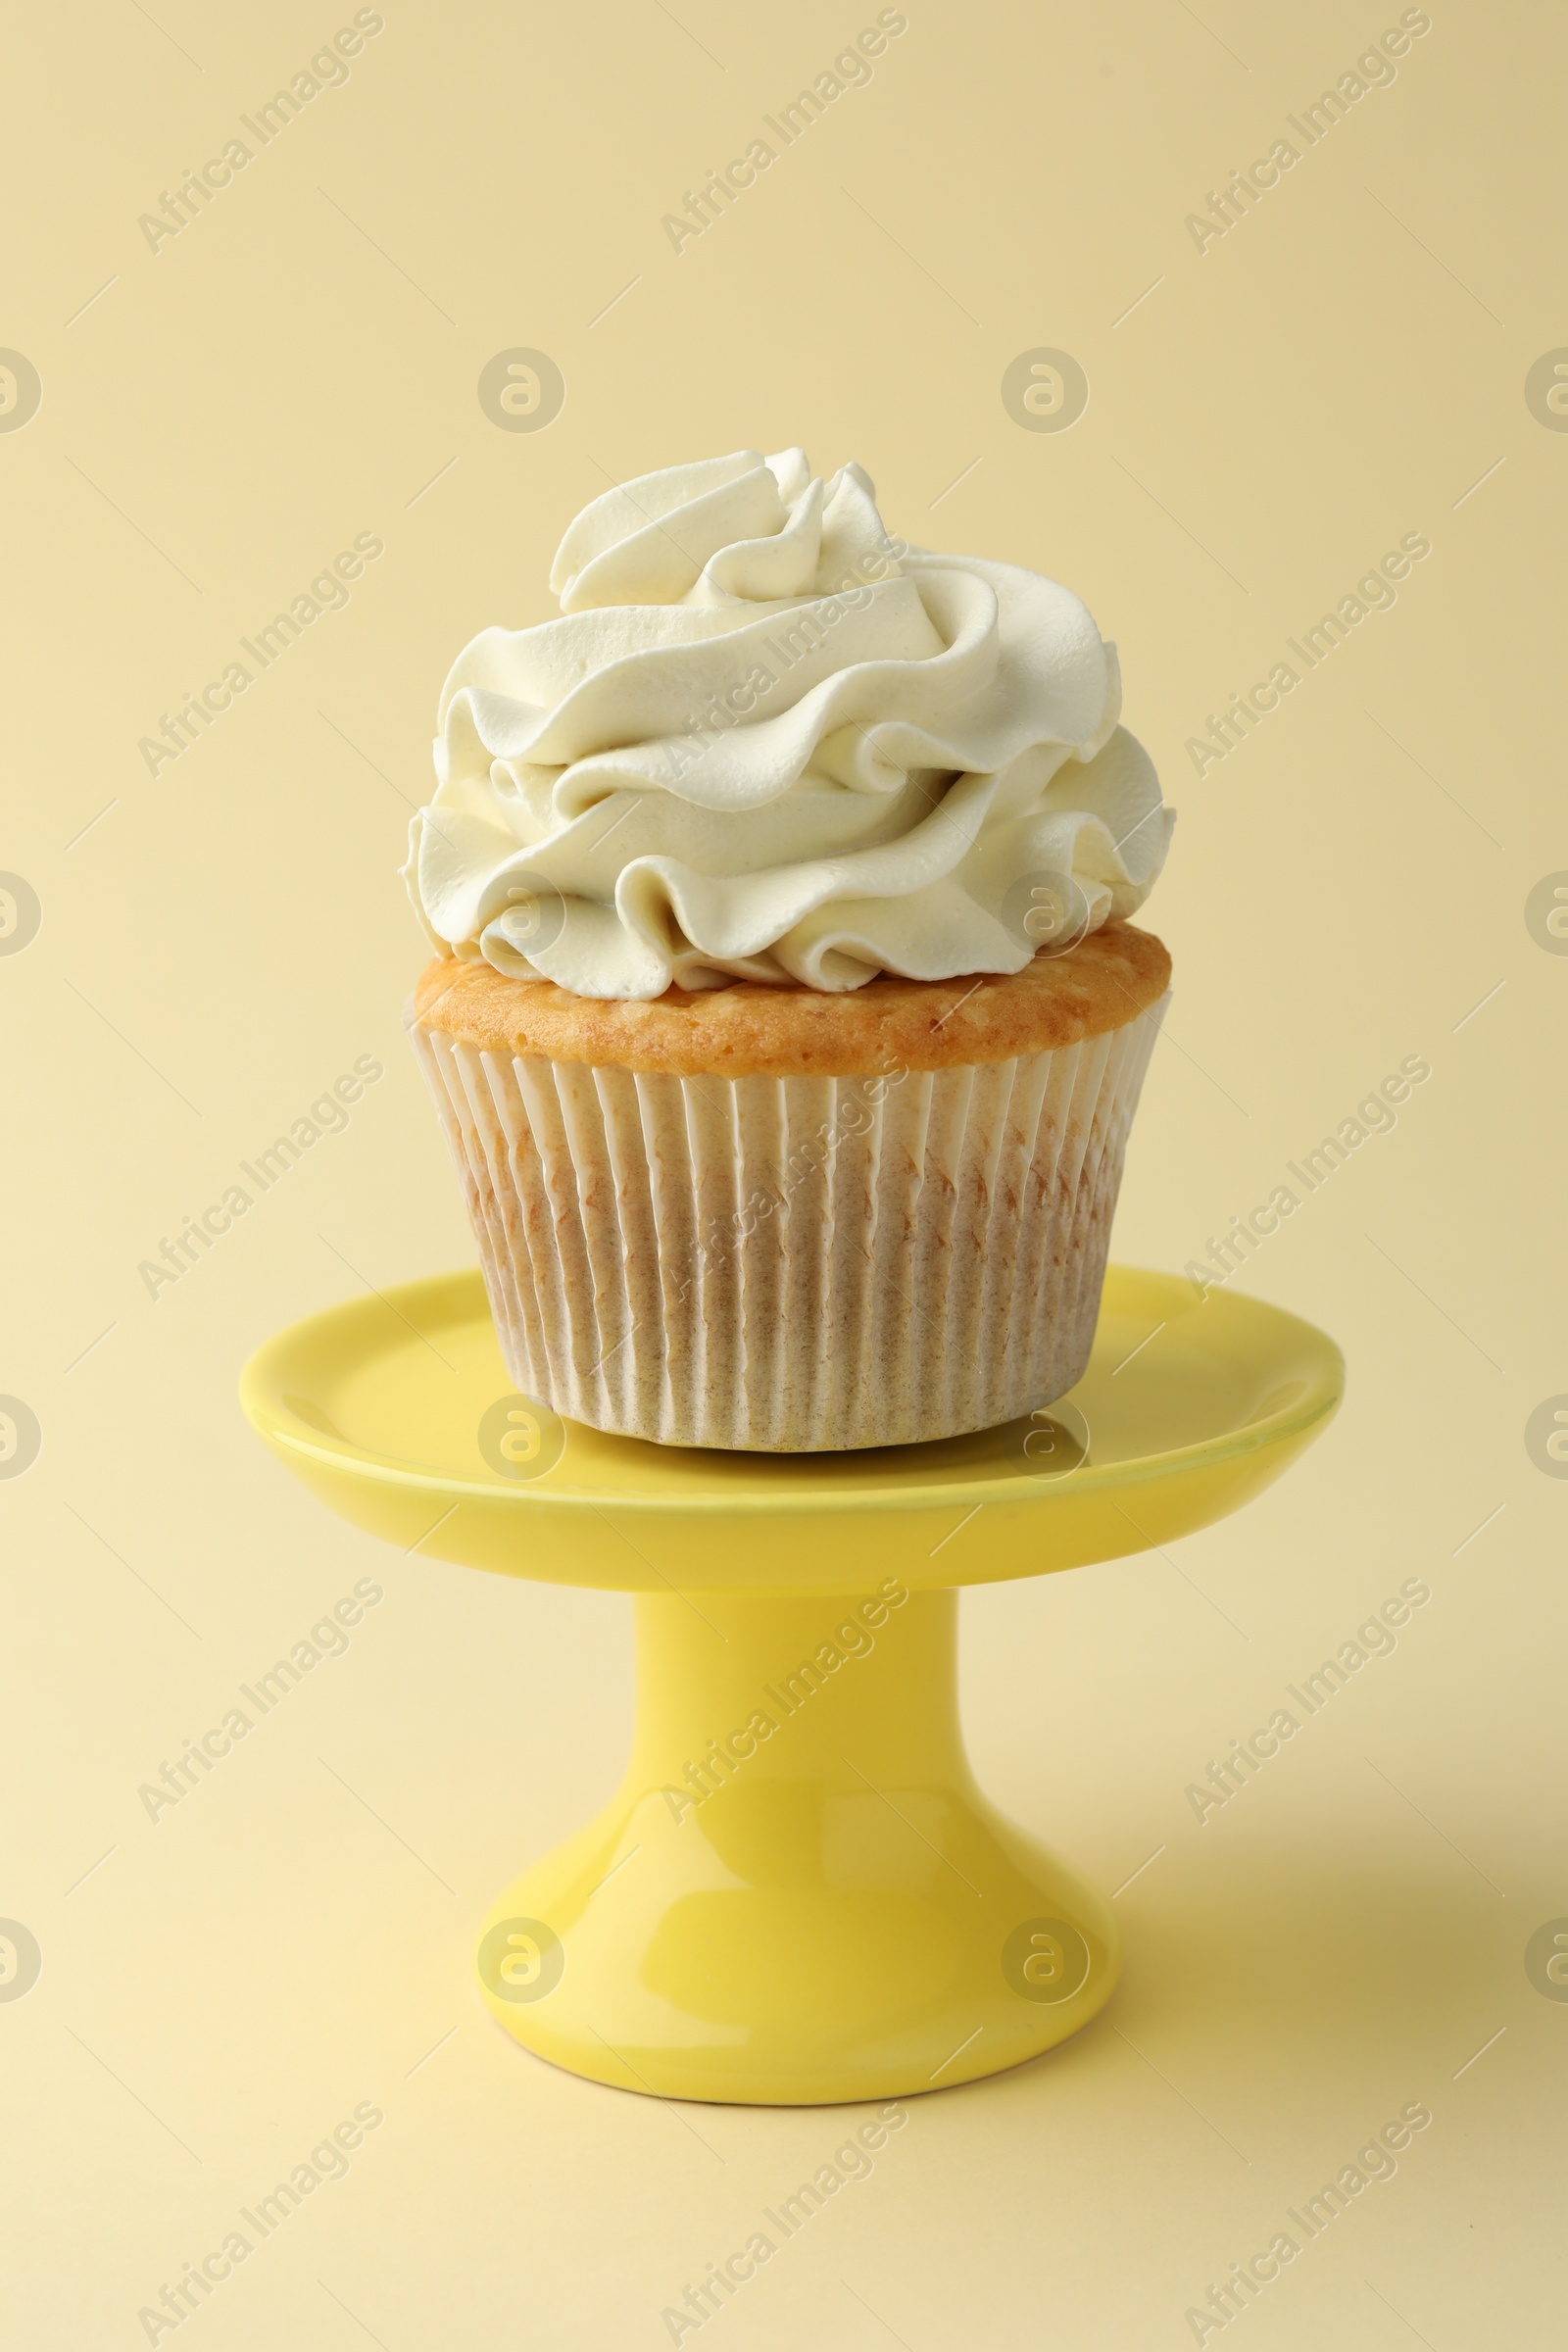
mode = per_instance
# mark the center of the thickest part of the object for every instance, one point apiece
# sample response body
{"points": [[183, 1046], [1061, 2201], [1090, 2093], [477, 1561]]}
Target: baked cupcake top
{"points": [[742, 1029], [767, 741]]}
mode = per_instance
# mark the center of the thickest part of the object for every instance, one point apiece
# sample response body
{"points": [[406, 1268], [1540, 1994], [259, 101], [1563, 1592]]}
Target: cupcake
{"points": [[786, 1024]]}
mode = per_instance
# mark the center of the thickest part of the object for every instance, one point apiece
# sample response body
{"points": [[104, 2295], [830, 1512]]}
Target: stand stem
{"points": [[829, 1692], [798, 1894]]}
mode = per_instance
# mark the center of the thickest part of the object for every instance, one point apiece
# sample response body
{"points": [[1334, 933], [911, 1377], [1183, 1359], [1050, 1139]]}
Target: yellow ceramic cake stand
{"points": [[799, 1893]]}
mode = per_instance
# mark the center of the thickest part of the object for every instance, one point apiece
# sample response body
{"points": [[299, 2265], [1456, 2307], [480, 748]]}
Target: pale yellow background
{"points": [[295, 369]]}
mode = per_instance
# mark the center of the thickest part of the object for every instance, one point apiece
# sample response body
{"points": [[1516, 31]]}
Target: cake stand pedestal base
{"points": [[799, 1893]]}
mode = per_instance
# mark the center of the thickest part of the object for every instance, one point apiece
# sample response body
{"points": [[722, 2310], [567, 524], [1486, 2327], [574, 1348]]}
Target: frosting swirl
{"points": [[767, 741]]}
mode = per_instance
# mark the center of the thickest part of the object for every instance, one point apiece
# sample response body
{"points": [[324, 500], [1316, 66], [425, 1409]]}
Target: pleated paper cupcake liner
{"points": [[792, 1264]]}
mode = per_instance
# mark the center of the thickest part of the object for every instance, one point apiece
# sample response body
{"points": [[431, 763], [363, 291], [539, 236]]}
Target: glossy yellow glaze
{"points": [[799, 1894], [377, 1405]]}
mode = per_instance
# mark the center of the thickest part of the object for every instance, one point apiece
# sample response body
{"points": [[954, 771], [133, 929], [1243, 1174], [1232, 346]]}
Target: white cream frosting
{"points": [[767, 741]]}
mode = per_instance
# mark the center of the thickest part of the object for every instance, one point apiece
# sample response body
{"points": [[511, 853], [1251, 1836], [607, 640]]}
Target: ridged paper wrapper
{"points": [[792, 1264]]}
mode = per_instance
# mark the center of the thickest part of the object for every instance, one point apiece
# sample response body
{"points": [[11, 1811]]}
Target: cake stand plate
{"points": [[799, 1893]]}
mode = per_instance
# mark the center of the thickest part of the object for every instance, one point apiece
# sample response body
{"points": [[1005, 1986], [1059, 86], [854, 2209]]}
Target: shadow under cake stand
{"points": [[799, 1893]]}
